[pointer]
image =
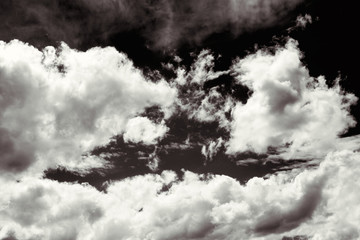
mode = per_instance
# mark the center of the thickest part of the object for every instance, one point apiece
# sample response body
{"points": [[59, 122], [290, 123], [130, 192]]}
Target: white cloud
{"points": [[58, 104], [141, 129], [287, 106], [44, 209], [320, 202], [211, 107], [51, 117], [297, 114], [338, 212], [210, 150], [202, 68], [302, 21], [200, 104]]}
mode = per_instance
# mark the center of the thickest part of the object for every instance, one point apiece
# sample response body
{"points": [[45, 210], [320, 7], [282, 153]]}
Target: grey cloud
{"points": [[320, 203], [58, 214], [28, 212], [39, 22], [170, 23], [10, 236], [165, 24], [14, 156], [279, 220], [286, 107]]}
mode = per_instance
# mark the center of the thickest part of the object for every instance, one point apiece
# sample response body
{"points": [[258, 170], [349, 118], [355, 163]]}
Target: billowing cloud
{"points": [[141, 129], [285, 109], [94, 110], [288, 108], [165, 24], [58, 104], [310, 203]]}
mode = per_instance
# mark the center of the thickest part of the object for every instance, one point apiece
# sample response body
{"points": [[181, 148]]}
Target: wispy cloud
{"points": [[164, 24]]}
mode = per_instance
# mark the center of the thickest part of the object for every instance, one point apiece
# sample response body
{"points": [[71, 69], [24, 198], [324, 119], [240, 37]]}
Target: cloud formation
{"points": [[55, 99], [287, 106], [303, 21], [141, 129], [164, 24], [285, 112], [193, 99], [292, 203], [58, 104]]}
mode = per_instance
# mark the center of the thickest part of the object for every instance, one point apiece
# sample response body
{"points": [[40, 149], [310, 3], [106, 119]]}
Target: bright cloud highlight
{"points": [[288, 108], [58, 104], [311, 203]]}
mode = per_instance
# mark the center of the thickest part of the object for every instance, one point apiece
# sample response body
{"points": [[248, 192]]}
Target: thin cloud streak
{"points": [[165, 25]]}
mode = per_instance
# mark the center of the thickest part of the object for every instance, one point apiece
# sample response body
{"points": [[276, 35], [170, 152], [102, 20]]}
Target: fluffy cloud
{"points": [[141, 129], [60, 103], [302, 21], [48, 210], [311, 203], [165, 24], [287, 107]]}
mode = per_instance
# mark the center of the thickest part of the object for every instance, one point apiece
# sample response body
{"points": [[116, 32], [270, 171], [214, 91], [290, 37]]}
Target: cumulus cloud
{"points": [[48, 210], [165, 24], [141, 129], [58, 104], [288, 108], [310, 203]]}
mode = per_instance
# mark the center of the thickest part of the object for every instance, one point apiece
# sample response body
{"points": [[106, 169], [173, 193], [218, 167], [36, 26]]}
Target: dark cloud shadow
{"points": [[278, 220]]}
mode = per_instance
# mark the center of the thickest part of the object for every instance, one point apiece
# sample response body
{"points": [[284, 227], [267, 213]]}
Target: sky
{"points": [[165, 119]]}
